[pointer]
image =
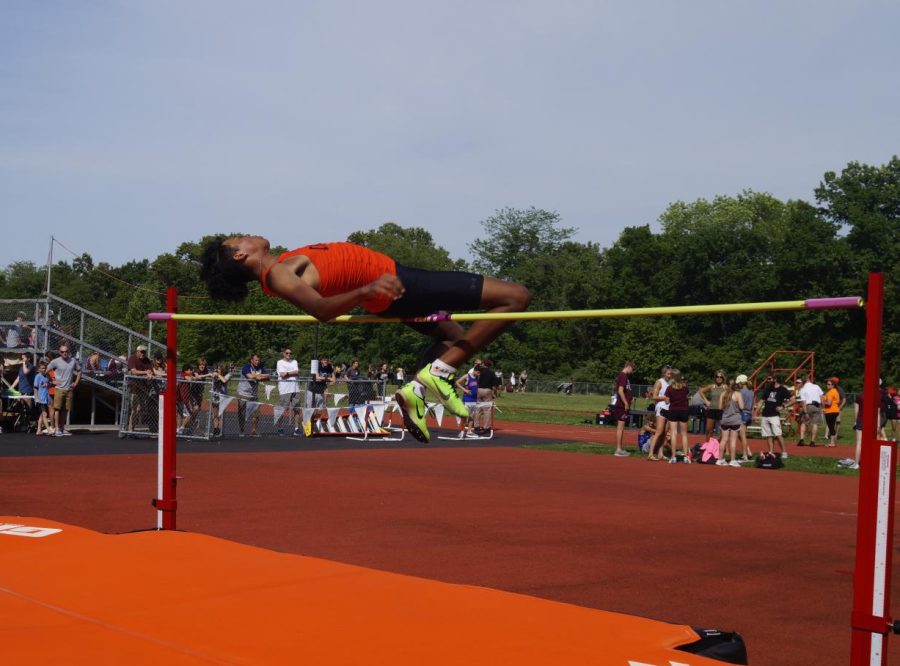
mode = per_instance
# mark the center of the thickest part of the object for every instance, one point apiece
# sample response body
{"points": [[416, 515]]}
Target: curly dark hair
{"points": [[225, 278]]}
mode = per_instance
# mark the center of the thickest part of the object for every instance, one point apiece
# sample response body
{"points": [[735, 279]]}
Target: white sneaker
{"points": [[855, 465], [734, 463], [622, 453], [673, 460], [845, 462], [784, 455], [721, 462], [687, 460]]}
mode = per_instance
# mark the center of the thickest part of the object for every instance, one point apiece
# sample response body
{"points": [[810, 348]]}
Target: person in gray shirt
{"points": [[749, 400], [66, 375]]}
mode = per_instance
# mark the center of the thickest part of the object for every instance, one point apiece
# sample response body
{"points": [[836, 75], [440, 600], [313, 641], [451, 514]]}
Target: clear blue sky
{"points": [[129, 126]]}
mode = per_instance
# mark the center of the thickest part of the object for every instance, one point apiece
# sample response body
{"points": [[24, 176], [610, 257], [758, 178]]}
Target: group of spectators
{"points": [[481, 384], [729, 406], [46, 388], [294, 394]]}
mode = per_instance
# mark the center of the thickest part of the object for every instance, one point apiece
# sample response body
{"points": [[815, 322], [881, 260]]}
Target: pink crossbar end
{"points": [[159, 316], [840, 302]]}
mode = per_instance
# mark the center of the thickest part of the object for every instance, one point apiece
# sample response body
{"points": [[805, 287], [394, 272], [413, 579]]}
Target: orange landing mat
{"points": [[78, 596]]}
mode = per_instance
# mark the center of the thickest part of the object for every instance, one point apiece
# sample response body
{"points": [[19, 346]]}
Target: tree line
{"points": [[744, 248]]}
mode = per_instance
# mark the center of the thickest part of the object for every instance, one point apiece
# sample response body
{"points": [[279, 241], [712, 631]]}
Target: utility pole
{"points": [[50, 264]]}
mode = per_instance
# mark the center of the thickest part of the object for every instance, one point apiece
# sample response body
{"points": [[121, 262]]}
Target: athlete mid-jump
{"points": [[327, 280]]}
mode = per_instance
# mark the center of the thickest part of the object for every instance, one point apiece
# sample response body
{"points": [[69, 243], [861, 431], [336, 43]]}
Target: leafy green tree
{"points": [[512, 235]]}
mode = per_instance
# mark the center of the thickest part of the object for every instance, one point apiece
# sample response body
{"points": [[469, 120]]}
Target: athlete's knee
{"points": [[519, 297]]}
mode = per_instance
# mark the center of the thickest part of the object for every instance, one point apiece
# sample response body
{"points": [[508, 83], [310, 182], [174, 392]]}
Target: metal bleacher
{"points": [[43, 324]]}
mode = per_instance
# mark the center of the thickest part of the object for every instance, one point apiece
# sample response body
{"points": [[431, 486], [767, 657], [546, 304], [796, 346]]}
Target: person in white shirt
{"points": [[810, 399], [288, 370]]}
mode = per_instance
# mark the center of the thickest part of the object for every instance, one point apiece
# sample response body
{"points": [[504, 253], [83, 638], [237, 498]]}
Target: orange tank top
{"points": [[343, 267]]}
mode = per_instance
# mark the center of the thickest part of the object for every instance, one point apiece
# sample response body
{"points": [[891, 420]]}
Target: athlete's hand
{"points": [[386, 285]]}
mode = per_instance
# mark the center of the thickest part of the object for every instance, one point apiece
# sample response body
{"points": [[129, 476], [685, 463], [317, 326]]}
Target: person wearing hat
{"points": [[139, 366], [749, 399]]}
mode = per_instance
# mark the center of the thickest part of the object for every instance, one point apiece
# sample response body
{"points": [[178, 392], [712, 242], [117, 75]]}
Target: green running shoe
{"points": [[413, 409], [445, 391]]}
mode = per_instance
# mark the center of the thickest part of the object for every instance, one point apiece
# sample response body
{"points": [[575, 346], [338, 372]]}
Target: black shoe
{"points": [[800, 443]]}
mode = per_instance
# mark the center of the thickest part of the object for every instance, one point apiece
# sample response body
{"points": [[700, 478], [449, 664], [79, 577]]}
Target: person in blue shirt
{"points": [[42, 399]]}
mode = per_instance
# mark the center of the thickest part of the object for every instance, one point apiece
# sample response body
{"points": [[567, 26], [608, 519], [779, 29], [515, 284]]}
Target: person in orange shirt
{"points": [[831, 407], [330, 279]]}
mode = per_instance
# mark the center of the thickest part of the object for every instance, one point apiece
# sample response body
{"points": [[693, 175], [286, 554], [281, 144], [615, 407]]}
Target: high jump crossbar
{"points": [[836, 303]]}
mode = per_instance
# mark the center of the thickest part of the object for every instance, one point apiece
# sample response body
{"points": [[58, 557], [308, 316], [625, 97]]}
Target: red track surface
{"points": [[765, 553]]}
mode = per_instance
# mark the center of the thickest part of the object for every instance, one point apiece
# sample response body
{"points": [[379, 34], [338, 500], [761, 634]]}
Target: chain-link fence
{"points": [[241, 408]]}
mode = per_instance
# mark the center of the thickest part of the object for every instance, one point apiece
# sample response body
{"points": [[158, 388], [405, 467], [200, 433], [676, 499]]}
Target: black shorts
{"points": [[428, 292], [677, 416], [714, 414]]}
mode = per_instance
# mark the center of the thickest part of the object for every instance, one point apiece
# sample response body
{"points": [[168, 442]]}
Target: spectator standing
{"points": [[512, 381], [698, 411], [288, 370], [42, 398], [831, 407], [324, 375], [660, 405], [622, 406], [486, 381], [220, 380], [141, 390], [248, 392], [358, 389], [523, 379], [185, 399], [677, 413], [24, 381], [811, 406], [469, 385], [731, 405], [837, 385], [748, 399], [49, 356], [67, 375], [712, 395], [893, 412], [853, 463], [885, 408], [773, 398], [383, 376]]}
